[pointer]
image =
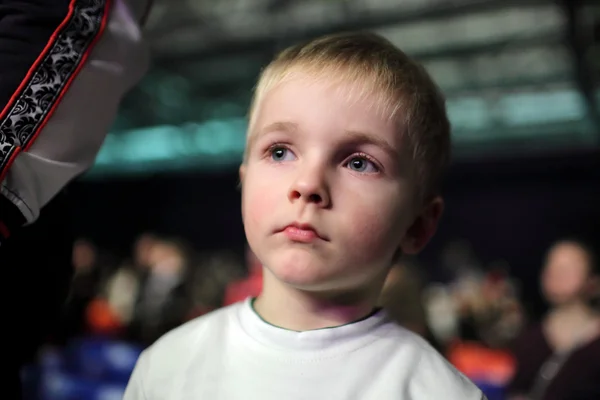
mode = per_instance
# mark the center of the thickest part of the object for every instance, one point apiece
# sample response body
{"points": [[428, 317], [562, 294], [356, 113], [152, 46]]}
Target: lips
{"points": [[301, 232]]}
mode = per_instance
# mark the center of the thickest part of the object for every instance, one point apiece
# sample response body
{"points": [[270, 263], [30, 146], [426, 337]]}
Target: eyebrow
{"points": [[274, 127], [369, 138], [279, 126]]}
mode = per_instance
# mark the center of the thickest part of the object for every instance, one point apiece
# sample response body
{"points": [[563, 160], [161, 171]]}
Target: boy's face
{"points": [[328, 194]]}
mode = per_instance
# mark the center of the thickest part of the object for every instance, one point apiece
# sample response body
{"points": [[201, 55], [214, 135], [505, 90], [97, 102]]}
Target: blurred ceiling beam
{"points": [[277, 5], [232, 89], [358, 21], [209, 75]]}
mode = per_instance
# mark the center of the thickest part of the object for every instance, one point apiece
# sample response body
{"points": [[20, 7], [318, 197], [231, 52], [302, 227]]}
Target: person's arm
{"points": [[64, 68]]}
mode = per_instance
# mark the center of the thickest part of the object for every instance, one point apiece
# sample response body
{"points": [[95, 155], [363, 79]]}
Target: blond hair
{"points": [[376, 67]]}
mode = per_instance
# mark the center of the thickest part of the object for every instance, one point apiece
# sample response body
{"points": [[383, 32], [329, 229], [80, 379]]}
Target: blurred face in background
{"points": [[143, 249], [566, 273], [84, 256], [165, 258]]}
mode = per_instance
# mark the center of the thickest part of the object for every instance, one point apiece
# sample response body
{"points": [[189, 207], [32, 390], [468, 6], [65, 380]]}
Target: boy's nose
{"points": [[310, 188]]}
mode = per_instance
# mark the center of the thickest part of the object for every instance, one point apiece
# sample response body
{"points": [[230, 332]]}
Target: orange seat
{"points": [[482, 363]]}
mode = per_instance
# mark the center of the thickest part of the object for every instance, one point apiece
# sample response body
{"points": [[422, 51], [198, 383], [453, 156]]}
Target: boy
{"points": [[347, 140]]}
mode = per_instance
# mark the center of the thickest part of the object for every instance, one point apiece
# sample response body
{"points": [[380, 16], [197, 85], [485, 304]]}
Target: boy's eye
{"points": [[281, 154], [361, 164]]}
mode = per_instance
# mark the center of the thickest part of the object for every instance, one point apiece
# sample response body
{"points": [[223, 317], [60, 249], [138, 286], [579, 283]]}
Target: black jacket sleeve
{"points": [[64, 67]]}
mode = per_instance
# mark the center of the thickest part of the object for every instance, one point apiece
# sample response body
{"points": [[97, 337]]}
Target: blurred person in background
{"points": [[87, 282], [86, 279], [114, 308], [123, 291], [559, 358], [488, 308], [467, 276], [142, 250], [478, 304], [500, 316], [488, 317], [163, 300], [442, 313], [402, 298]]}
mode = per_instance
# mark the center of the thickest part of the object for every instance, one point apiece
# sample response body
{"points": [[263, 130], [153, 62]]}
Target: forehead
{"points": [[567, 256], [351, 84], [324, 99]]}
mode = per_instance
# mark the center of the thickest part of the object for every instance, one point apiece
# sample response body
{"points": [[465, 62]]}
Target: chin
{"points": [[559, 300], [301, 269]]}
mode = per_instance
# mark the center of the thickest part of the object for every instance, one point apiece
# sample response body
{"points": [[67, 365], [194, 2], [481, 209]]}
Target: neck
{"points": [[574, 312], [300, 310]]}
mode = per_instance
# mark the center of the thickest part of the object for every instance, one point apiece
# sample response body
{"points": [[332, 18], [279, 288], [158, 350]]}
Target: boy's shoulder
{"points": [[209, 325], [428, 365]]}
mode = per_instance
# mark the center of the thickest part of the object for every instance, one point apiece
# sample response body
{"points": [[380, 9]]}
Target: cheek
{"points": [[256, 206], [562, 284], [259, 199], [369, 240], [375, 230]]}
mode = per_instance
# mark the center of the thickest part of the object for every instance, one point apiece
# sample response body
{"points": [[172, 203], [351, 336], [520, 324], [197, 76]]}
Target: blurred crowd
{"points": [[163, 284], [471, 312]]}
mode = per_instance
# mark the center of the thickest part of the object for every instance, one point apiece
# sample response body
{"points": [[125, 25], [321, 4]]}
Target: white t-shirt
{"points": [[233, 354]]}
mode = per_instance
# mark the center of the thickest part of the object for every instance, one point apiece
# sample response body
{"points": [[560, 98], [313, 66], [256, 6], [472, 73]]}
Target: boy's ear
{"points": [[423, 228]]}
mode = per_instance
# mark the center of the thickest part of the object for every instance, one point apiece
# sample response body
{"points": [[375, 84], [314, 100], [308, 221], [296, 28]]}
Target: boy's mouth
{"points": [[301, 232]]}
